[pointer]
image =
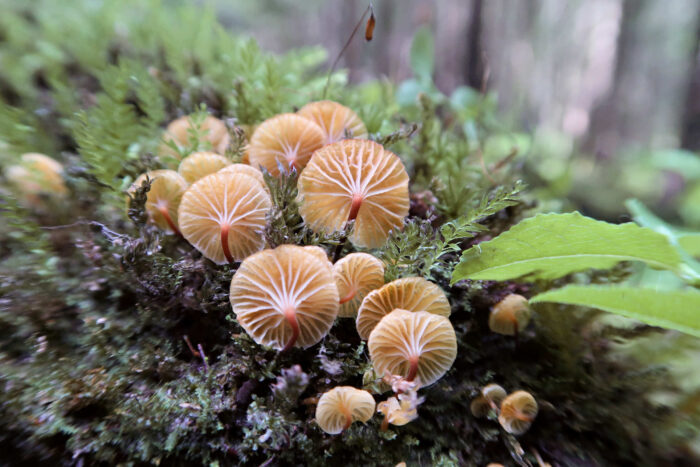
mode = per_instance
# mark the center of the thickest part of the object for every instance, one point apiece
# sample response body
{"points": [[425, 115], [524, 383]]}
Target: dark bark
{"points": [[475, 66]]}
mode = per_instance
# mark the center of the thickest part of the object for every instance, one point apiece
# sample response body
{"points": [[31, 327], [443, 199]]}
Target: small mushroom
{"points": [[285, 297], [199, 164], [342, 405], [354, 180], [510, 316], [287, 140], [247, 170], [223, 216], [413, 344], [164, 197], [490, 399], [356, 275], [479, 407], [518, 411], [335, 120], [410, 293], [212, 131]]}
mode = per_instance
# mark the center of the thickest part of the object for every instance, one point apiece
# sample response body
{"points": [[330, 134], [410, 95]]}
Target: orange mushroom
{"points": [[223, 215], [410, 293], [212, 132], [413, 344], [37, 174], [355, 180], [247, 170], [199, 164], [335, 120], [286, 141], [356, 275], [510, 316], [164, 197], [518, 411], [342, 405], [285, 297]]}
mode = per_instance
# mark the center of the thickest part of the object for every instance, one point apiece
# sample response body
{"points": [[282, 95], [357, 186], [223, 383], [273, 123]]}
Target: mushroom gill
{"points": [[413, 344], [246, 170], [199, 164], [285, 141], [518, 411], [341, 406], [285, 297], [410, 293], [164, 197], [335, 120], [355, 180], [223, 216], [356, 275]]}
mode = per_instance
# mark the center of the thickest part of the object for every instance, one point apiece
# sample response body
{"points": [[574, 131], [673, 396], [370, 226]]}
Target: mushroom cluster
{"points": [[515, 411], [291, 295]]}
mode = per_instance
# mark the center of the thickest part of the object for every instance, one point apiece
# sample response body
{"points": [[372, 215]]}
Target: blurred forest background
{"points": [[603, 92]]}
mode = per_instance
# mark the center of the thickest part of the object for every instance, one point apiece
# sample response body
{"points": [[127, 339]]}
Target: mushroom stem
{"points": [[348, 418], [224, 242], [355, 206], [522, 416], [348, 297], [413, 370], [291, 315], [514, 320], [164, 211], [385, 424]]}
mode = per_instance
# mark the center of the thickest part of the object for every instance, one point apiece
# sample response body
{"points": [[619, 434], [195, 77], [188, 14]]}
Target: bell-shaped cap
{"points": [[164, 197], [247, 170], [416, 345], [494, 394], [410, 293], [223, 215], [342, 405], [212, 131], [518, 411], [356, 275], [287, 140], [199, 164], [285, 297], [510, 316], [355, 180], [335, 120]]}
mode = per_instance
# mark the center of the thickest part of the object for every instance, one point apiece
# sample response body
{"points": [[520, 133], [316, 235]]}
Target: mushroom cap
{"points": [[355, 177], [518, 411], [341, 404], [288, 140], [270, 283], [494, 393], [247, 170], [320, 253], [37, 173], [212, 129], [479, 407], [409, 293], [356, 275], [334, 119], [510, 315], [217, 201], [199, 164], [165, 196], [406, 338]]}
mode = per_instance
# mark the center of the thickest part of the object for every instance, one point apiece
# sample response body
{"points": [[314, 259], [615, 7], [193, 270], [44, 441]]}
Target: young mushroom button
{"points": [[285, 297], [286, 141], [335, 120], [223, 215], [413, 344], [510, 316], [339, 407], [354, 180], [164, 197], [410, 293], [356, 275]]}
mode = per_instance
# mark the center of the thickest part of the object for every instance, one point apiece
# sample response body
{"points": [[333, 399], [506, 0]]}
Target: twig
{"points": [[189, 344], [204, 357]]}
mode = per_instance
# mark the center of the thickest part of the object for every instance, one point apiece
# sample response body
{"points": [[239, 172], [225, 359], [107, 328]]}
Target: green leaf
{"points": [[678, 309], [548, 246], [690, 243], [423, 55]]}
